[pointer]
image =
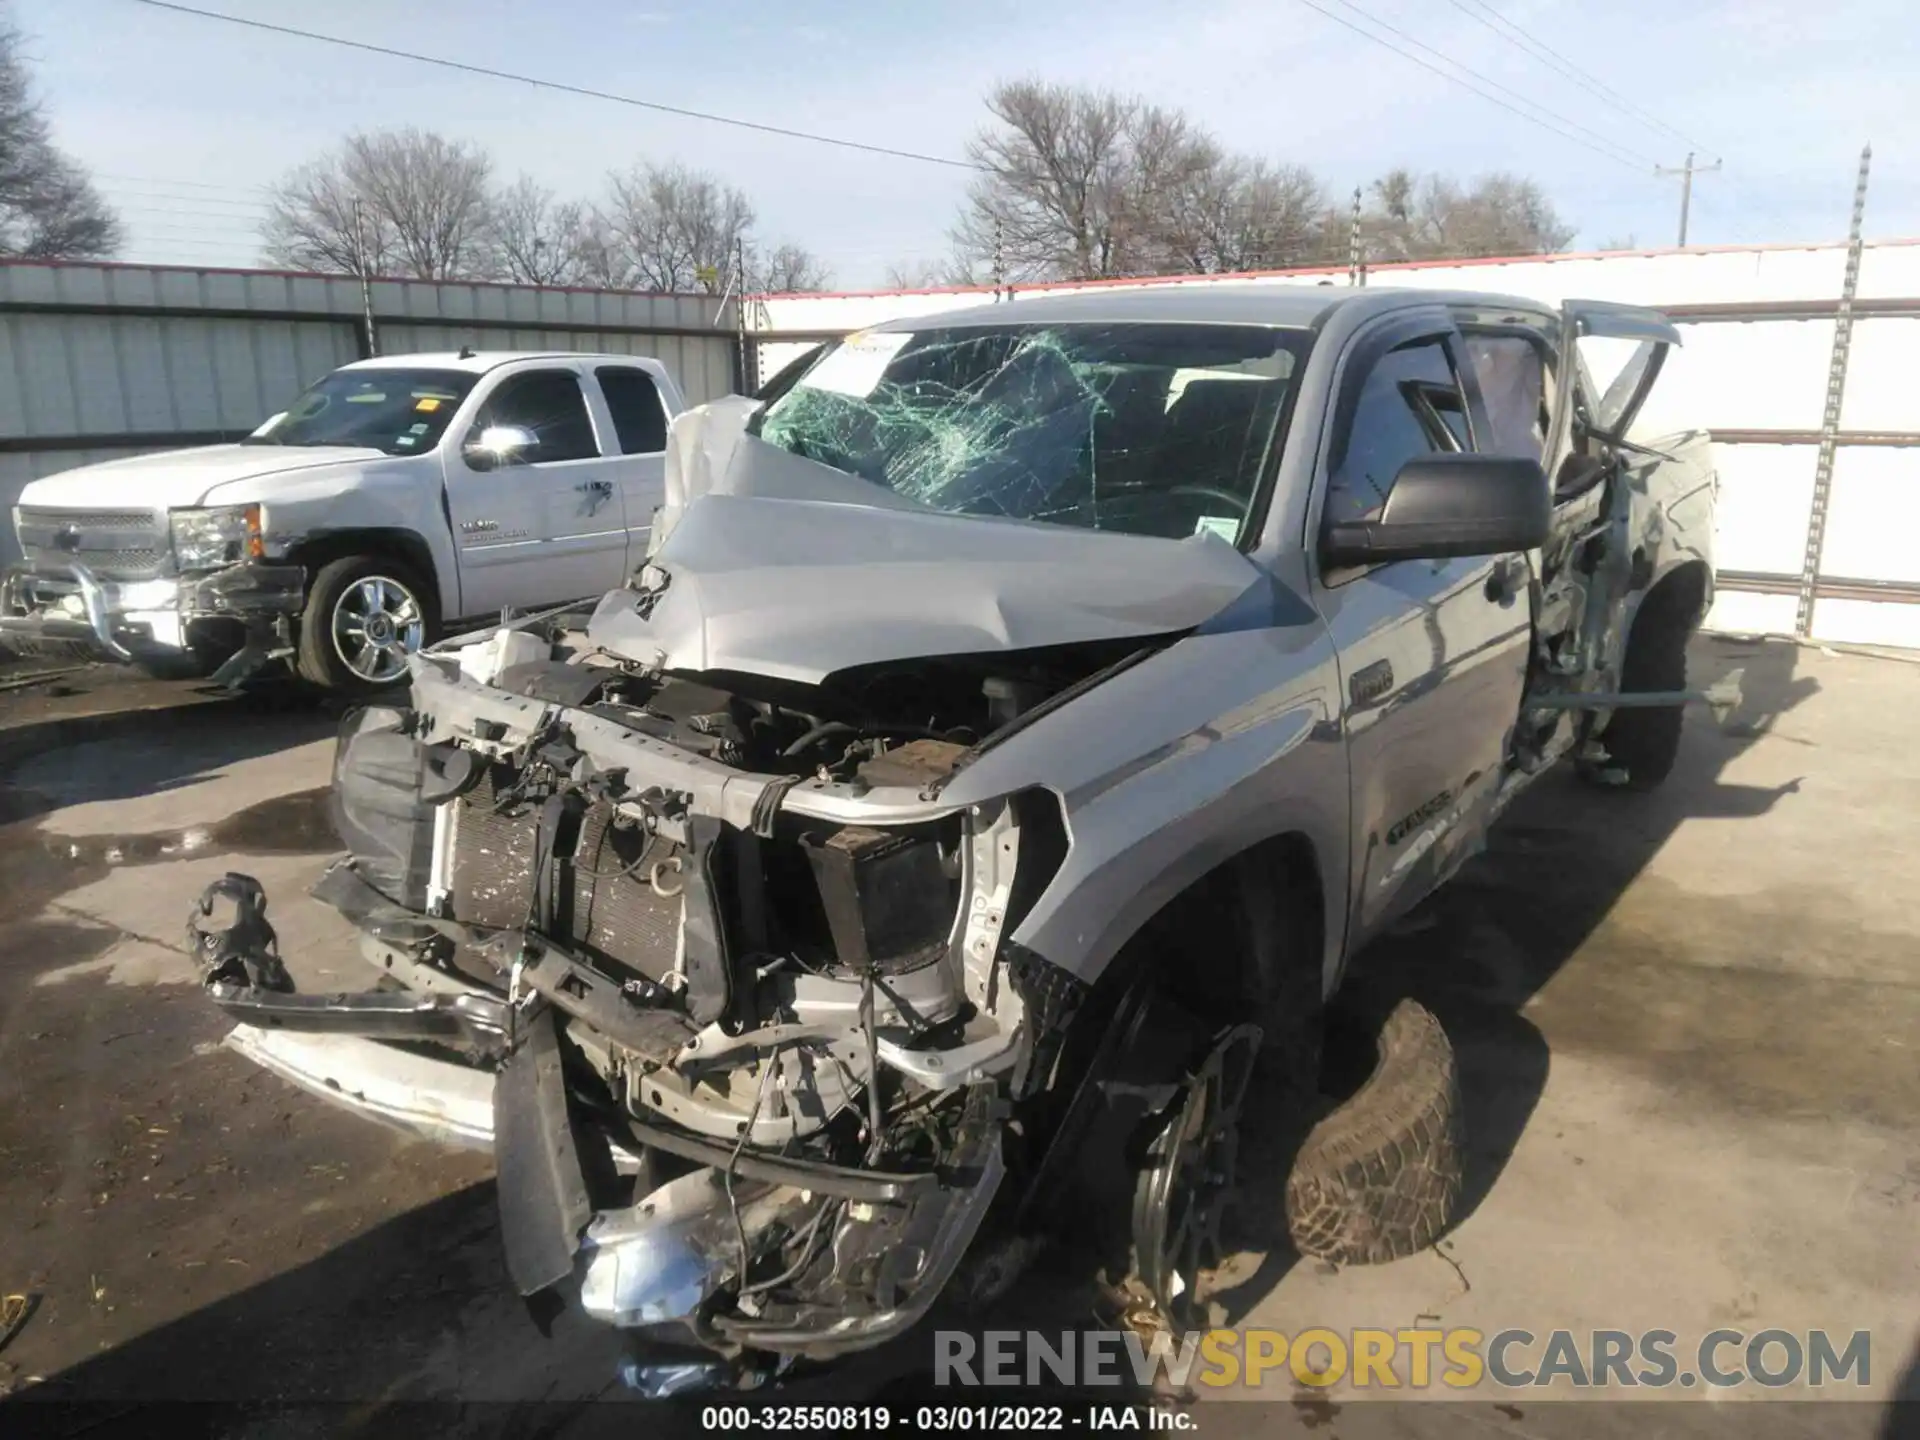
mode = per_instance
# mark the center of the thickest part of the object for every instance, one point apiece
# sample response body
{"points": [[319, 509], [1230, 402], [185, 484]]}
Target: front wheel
{"points": [[1643, 743], [365, 614]]}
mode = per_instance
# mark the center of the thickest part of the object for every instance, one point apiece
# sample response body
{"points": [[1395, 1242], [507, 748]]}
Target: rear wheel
{"points": [[364, 615]]}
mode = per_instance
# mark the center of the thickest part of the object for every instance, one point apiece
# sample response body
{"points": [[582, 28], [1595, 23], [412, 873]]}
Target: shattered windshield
{"points": [[402, 412], [1151, 429]]}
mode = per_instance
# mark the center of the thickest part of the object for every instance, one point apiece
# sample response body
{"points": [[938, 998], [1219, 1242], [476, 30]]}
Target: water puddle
{"points": [[284, 825], [39, 867]]}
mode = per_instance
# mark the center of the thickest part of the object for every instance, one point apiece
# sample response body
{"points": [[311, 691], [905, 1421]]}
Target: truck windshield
{"points": [[1147, 429], [402, 412], [1151, 429]]}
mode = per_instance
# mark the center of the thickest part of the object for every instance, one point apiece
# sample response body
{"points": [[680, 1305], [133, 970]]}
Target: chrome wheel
{"points": [[376, 622], [1189, 1180]]}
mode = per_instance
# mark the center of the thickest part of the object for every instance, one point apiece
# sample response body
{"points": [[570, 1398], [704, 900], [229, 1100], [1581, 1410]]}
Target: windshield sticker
{"points": [[856, 367], [366, 397], [428, 403], [407, 440], [1227, 529], [419, 429]]}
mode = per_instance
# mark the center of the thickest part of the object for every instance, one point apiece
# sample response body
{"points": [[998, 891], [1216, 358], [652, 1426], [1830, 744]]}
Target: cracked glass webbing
{"points": [[1143, 428]]}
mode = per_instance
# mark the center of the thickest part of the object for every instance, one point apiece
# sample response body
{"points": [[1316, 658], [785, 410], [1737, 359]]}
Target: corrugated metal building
{"points": [[105, 360], [99, 361], [1759, 327]]}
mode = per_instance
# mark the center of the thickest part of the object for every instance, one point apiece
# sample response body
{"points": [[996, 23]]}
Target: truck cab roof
{"points": [[480, 361]]}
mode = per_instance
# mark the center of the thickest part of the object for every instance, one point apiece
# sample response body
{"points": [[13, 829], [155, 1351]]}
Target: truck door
{"points": [[639, 416], [1432, 653], [1619, 350], [542, 525]]}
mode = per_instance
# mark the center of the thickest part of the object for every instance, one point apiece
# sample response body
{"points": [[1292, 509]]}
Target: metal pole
{"points": [[1356, 271], [1830, 419], [749, 355], [999, 258], [364, 264]]}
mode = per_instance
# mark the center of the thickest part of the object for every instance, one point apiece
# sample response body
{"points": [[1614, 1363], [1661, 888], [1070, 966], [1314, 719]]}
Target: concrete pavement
{"points": [[1687, 1024]]}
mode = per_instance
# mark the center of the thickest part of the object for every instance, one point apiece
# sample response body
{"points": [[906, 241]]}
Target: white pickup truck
{"points": [[394, 495]]}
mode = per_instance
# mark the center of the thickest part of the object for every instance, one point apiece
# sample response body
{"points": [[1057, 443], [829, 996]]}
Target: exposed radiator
{"points": [[616, 916]]}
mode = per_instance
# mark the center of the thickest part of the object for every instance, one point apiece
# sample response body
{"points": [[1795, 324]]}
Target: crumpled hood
{"points": [[181, 477], [782, 567]]}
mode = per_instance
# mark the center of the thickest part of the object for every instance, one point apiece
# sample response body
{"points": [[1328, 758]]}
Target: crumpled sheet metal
{"points": [[793, 570]]}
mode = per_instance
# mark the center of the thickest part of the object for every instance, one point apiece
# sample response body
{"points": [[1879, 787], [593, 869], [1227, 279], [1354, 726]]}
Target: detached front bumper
{"points": [[129, 620], [657, 1265]]}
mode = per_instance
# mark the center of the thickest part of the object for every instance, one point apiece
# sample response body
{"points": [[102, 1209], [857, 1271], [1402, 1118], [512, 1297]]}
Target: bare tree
{"points": [[1075, 182], [787, 269], [1236, 214], [48, 207], [927, 274], [1438, 218], [318, 220], [601, 253], [421, 208], [675, 229], [538, 241]]}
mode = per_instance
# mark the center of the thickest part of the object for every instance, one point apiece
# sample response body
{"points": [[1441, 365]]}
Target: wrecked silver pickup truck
{"points": [[1020, 719]]}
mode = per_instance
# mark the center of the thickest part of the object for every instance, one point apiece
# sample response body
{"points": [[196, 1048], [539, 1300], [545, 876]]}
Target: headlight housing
{"points": [[222, 535]]}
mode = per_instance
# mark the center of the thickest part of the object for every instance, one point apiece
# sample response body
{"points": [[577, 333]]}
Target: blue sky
{"points": [[183, 119]]}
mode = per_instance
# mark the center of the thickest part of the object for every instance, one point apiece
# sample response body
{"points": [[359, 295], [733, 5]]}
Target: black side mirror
{"points": [[1445, 505]]}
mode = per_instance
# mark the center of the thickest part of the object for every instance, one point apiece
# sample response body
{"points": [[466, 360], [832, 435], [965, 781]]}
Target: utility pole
{"points": [[1356, 260], [1830, 418], [363, 263], [1686, 173]]}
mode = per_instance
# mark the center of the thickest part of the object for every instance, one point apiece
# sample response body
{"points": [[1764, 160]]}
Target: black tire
{"points": [[1380, 1177], [1289, 999], [1642, 745], [319, 658]]}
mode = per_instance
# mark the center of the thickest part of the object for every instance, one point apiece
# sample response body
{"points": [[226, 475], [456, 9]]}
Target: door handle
{"points": [[1508, 578], [596, 487]]}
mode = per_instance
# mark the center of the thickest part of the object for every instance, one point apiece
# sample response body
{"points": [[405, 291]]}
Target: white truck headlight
{"points": [[222, 535]]}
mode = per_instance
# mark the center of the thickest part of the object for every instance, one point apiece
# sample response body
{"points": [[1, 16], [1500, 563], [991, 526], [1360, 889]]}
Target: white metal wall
{"points": [[102, 361], [1758, 333]]}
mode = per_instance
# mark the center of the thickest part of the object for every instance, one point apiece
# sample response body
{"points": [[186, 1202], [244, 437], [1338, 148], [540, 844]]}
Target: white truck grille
{"points": [[113, 544]]}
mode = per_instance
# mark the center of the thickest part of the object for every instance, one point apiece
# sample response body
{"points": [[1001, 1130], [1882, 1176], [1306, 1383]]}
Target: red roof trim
{"points": [[1392, 265]]}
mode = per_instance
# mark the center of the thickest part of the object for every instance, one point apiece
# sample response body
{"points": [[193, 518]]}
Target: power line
{"points": [[556, 85], [194, 204], [1483, 13], [1617, 153], [144, 227], [168, 213], [1500, 25], [190, 184]]}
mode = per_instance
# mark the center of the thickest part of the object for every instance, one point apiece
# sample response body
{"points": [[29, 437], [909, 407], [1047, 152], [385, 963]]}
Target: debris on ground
{"points": [[14, 1310]]}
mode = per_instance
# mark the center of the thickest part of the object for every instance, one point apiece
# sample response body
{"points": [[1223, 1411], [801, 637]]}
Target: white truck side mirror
{"points": [[500, 444]]}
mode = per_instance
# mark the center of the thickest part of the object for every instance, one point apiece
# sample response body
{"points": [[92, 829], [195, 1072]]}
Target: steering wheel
{"points": [[1237, 503]]}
